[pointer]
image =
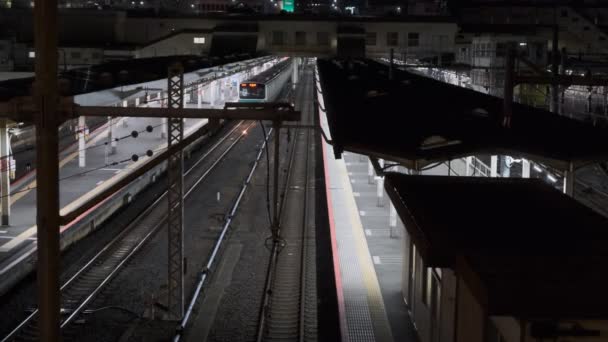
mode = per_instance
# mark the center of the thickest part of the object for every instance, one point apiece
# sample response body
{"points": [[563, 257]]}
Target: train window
{"points": [[252, 91]]}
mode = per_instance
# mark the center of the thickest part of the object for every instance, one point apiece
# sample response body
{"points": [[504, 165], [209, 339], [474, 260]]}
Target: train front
{"points": [[252, 92]]}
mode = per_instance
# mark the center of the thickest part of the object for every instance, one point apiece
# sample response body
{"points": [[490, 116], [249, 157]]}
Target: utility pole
{"points": [[47, 173], [508, 86], [175, 193], [555, 62]]}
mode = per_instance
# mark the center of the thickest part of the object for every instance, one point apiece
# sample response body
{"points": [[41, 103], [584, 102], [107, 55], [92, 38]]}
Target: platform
{"points": [[367, 253], [18, 241]]}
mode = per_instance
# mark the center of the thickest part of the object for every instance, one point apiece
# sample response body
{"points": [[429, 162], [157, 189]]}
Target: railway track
{"points": [[87, 283], [285, 313]]}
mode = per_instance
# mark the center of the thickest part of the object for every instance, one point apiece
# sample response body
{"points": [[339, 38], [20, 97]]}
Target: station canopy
{"points": [[418, 121], [523, 248]]}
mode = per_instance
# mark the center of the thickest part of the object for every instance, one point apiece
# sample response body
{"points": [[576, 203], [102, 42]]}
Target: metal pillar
{"points": [[175, 198], [605, 100], [6, 171], [508, 86], [525, 168], [47, 164], [554, 104], [370, 172], [569, 176], [126, 104], [392, 219], [380, 186], [111, 138], [469, 166], [277, 204], [82, 162], [199, 97], [391, 64], [163, 128], [494, 166], [294, 76]]}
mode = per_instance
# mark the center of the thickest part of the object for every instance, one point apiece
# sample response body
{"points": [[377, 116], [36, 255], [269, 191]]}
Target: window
{"points": [[413, 39], [32, 54], [75, 54], [370, 38], [323, 38], [392, 38], [501, 49], [199, 40], [300, 38], [277, 38]]}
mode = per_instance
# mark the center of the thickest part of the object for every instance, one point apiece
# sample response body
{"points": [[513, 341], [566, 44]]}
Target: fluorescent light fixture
{"points": [[537, 168], [436, 141], [551, 178], [523, 44]]}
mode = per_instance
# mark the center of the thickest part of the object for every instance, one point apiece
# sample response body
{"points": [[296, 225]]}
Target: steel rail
{"points": [[13, 334]]}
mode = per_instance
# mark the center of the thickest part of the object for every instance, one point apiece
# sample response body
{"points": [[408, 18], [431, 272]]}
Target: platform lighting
{"points": [[523, 44], [192, 5], [537, 168], [551, 178]]}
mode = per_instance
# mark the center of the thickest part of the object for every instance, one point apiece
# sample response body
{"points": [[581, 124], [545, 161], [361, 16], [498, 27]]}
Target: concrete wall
{"points": [[433, 38], [313, 31], [180, 44]]}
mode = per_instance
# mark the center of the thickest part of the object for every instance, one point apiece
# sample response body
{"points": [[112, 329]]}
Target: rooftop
{"points": [[418, 121], [523, 248]]}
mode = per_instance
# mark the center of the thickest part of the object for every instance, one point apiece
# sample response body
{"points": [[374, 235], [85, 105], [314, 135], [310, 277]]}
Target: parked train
{"points": [[268, 85]]}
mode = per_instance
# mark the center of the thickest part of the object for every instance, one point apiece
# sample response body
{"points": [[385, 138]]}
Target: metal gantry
{"points": [[175, 198], [48, 110]]}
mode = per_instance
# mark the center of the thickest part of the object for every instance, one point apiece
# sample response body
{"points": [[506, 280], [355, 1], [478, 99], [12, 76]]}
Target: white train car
{"points": [[268, 85]]}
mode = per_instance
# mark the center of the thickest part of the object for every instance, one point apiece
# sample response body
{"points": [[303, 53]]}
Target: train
{"points": [[268, 85]]}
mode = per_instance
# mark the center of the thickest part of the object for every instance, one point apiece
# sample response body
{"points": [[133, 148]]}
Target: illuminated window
{"points": [[32, 54], [199, 40]]}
